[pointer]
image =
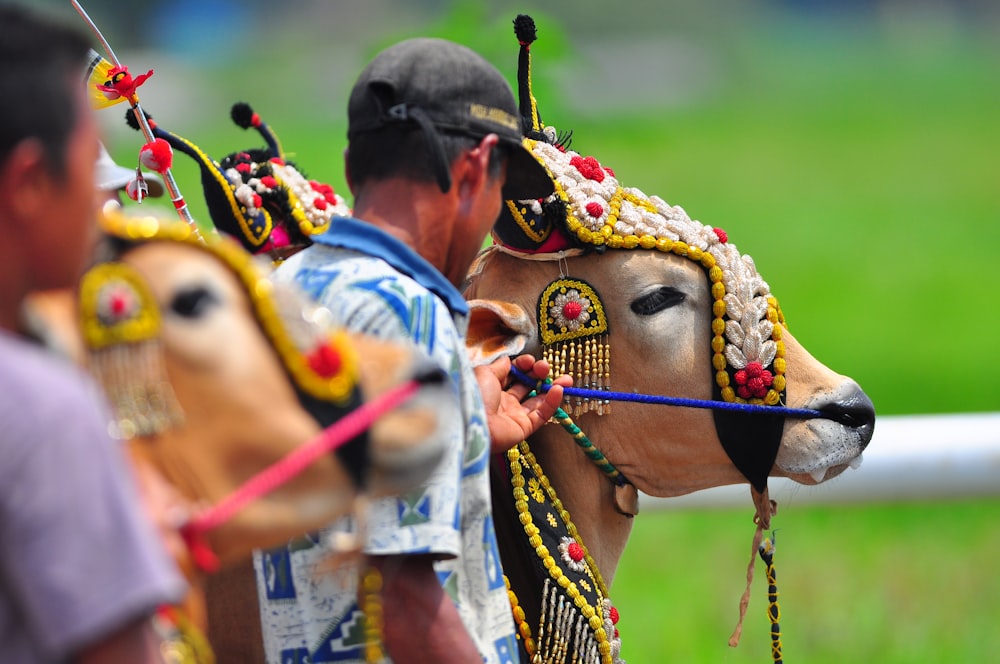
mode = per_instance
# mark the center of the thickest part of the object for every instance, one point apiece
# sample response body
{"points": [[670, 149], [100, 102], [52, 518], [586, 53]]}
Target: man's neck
{"points": [[416, 214]]}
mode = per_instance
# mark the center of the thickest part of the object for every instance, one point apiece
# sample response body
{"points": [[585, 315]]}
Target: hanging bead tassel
{"points": [[134, 380]]}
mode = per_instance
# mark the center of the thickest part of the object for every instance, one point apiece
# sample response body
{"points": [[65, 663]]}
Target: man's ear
{"points": [[26, 181], [473, 171]]}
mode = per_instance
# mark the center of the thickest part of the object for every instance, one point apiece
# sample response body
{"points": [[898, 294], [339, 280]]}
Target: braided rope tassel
{"points": [[585, 444], [773, 610]]}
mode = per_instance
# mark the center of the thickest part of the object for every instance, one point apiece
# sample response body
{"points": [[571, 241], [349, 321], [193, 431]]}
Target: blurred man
{"points": [[81, 570]]}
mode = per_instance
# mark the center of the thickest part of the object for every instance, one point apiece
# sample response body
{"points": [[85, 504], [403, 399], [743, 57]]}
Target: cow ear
{"points": [[496, 329]]}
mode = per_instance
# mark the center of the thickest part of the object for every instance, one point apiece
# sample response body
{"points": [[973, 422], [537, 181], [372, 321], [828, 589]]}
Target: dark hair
{"points": [[402, 151], [40, 63]]}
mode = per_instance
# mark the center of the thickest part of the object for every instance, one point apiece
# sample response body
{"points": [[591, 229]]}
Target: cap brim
{"points": [[526, 177]]}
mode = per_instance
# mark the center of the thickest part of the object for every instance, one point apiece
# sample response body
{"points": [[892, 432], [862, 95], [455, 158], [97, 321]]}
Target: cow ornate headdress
{"points": [[591, 211], [121, 325], [257, 195]]}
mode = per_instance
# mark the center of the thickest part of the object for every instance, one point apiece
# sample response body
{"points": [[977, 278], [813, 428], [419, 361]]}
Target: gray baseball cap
{"points": [[441, 86]]}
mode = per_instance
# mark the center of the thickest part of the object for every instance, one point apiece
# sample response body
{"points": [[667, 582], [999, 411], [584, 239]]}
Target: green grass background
{"points": [[854, 155]]}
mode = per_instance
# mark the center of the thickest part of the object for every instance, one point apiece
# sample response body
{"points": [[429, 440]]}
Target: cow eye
{"points": [[193, 302], [662, 298]]}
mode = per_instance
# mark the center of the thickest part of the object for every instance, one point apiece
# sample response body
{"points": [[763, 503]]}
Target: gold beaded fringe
{"points": [[588, 362]]}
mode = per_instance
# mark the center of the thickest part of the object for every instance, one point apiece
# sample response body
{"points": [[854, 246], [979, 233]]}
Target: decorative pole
{"points": [[158, 156]]}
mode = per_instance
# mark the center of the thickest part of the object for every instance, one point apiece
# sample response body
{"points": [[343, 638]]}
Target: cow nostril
{"points": [[854, 410]]}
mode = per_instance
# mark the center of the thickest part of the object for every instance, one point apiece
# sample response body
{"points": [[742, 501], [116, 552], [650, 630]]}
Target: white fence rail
{"points": [[911, 457]]}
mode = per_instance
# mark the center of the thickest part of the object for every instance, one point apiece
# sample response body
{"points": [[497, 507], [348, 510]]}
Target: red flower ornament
{"points": [[589, 168], [753, 381]]}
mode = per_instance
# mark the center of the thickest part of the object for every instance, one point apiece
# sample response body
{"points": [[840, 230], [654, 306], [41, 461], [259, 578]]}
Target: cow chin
{"points": [[814, 451]]}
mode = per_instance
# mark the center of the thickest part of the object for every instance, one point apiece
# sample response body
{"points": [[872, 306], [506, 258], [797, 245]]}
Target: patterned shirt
{"points": [[377, 285]]}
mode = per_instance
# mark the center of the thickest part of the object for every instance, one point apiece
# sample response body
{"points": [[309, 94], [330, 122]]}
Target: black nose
{"points": [[854, 409]]}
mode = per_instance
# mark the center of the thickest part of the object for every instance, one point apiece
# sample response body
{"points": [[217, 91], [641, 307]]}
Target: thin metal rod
{"points": [[168, 177]]}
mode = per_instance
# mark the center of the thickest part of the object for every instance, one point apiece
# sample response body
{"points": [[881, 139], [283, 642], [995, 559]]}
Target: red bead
{"points": [[721, 234], [325, 361], [589, 167], [575, 552], [595, 209], [119, 304], [613, 614], [572, 310]]}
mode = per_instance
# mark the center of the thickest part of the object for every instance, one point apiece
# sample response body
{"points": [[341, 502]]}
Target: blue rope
{"points": [[757, 409]]}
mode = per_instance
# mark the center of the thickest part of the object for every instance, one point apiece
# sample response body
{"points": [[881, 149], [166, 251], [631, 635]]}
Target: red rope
{"points": [[267, 480]]}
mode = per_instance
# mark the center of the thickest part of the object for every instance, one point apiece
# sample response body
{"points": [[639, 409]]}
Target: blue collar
{"points": [[357, 235]]}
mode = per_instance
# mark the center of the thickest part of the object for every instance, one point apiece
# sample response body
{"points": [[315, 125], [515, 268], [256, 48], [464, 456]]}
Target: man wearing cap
{"points": [[434, 147]]}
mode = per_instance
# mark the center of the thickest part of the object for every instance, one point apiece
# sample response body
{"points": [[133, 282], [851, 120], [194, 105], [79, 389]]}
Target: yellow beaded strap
{"points": [[321, 361], [371, 587], [576, 618], [523, 628], [181, 641]]}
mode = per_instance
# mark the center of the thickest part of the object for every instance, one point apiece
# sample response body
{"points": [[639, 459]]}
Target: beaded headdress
{"points": [[121, 325], [591, 211], [257, 195]]}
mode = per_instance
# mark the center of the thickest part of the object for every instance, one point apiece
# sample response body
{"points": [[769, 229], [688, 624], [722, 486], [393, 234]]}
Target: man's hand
{"points": [[510, 420]]}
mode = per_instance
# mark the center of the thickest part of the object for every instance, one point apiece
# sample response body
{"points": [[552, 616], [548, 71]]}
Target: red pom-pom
{"points": [[320, 187], [269, 182], [613, 614], [589, 167], [721, 234], [575, 552], [135, 190], [277, 160], [753, 381], [325, 361], [243, 167], [572, 310], [320, 203], [157, 156], [257, 200], [255, 120], [595, 209]]}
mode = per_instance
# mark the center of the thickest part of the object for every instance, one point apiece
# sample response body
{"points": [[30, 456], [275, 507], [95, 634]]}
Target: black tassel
{"points": [[242, 115], [524, 30]]}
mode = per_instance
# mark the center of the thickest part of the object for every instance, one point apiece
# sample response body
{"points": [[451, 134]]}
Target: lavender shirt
{"points": [[78, 559]]}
